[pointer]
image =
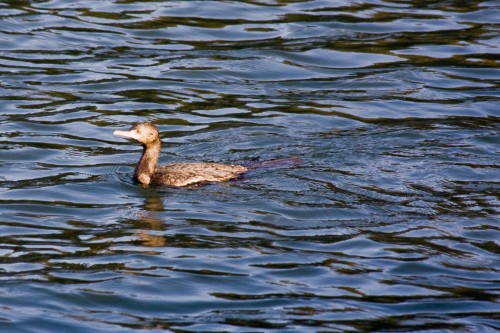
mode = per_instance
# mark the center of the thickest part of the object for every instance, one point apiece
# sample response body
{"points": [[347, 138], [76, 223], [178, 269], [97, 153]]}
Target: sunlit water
{"points": [[389, 222]]}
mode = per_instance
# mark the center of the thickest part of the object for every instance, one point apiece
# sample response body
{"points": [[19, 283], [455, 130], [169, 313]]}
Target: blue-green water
{"points": [[388, 224]]}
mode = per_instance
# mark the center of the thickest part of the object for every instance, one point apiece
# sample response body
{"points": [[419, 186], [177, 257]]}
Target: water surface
{"points": [[388, 223]]}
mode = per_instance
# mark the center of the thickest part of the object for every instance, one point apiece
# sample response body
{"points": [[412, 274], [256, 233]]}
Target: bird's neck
{"points": [[147, 164]]}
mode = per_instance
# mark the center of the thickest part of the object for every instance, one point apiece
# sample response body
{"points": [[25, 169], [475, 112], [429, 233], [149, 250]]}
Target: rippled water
{"points": [[389, 222]]}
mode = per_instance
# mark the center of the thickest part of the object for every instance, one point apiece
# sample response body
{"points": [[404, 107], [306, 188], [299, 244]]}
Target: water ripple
{"points": [[388, 222]]}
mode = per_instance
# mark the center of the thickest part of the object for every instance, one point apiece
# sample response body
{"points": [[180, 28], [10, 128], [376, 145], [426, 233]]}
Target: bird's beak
{"points": [[132, 134]]}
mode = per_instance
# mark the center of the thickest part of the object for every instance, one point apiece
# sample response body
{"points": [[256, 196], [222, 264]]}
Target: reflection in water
{"points": [[151, 219], [388, 223]]}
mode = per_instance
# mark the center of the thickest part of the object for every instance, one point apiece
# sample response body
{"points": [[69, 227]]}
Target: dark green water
{"points": [[390, 223]]}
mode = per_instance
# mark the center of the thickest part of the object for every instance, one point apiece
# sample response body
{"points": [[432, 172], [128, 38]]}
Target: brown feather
{"points": [[177, 174]]}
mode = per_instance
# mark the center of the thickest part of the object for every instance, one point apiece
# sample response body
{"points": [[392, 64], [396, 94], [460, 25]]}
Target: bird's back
{"points": [[185, 174]]}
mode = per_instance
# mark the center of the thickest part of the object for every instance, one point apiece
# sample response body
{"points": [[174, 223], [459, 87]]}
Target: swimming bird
{"points": [[148, 173]]}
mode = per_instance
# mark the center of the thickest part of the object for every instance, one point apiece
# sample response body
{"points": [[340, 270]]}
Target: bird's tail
{"points": [[285, 162]]}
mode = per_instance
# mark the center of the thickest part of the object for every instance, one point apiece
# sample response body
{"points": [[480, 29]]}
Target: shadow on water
{"points": [[389, 223]]}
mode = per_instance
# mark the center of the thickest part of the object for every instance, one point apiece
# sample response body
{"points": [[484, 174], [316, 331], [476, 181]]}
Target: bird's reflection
{"points": [[150, 219]]}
